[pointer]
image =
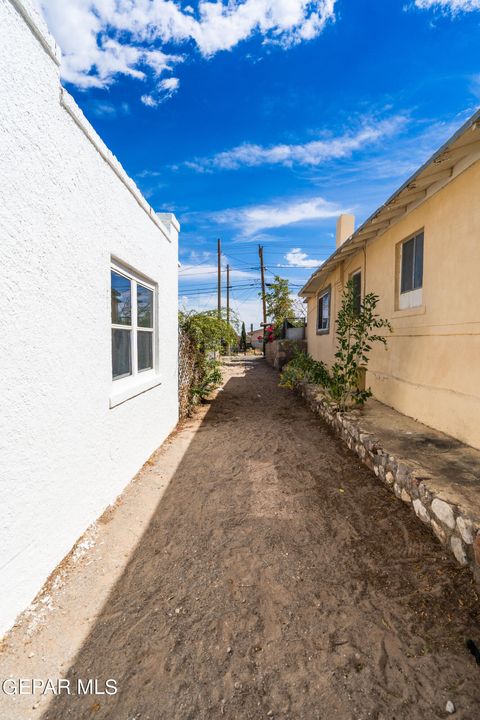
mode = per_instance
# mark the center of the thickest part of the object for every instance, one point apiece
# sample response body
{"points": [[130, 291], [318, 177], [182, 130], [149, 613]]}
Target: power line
{"points": [[212, 291], [188, 273], [246, 283], [192, 274], [207, 261], [298, 267], [206, 292], [245, 293], [233, 257], [212, 272]]}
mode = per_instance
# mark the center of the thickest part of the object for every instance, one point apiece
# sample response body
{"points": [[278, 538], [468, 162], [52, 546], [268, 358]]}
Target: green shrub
{"points": [[207, 336], [303, 368], [357, 330], [208, 380]]}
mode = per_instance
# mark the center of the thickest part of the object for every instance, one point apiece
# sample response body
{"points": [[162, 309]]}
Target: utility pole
{"points": [[219, 259], [264, 302], [228, 303], [228, 293]]}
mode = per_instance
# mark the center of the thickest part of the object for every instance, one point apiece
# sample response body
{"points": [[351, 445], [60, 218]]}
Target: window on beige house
{"points": [[323, 312], [356, 279], [411, 272]]}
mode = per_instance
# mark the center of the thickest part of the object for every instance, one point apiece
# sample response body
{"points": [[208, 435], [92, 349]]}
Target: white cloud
{"points": [[105, 109], [199, 255], [149, 101], [164, 90], [452, 6], [299, 259], [311, 153], [250, 220], [475, 86], [101, 39], [148, 174], [170, 84]]}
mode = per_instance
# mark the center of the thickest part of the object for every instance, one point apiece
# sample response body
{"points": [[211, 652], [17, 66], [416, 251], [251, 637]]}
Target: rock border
{"points": [[454, 528]]}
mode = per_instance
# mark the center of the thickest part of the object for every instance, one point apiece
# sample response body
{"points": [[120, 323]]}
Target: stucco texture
{"points": [[430, 370], [64, 213]]}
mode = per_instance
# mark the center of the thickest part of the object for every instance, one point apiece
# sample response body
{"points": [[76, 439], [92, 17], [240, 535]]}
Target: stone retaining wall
{"points": [[451, 524]]}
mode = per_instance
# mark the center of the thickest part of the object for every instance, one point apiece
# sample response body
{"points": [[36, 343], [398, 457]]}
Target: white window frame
{"points": [[138, 381], [410, 299]]}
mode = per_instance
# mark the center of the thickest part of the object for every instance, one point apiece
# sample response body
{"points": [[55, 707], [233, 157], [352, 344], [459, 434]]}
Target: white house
{"points": [[88, 274]]}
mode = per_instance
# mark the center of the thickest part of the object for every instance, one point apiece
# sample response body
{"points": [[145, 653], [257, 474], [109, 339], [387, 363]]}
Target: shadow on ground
{"points": [[279, 579]]}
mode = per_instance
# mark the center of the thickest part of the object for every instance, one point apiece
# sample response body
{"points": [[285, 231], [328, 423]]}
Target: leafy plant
{"points": [[280, 304], [357, 331], [207, 330], [207, 334], [303, 368], [208, 380]]}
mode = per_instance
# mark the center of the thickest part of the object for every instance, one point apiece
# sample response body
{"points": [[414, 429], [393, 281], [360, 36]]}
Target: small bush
{"points": [[203, 336], [357, 331], [209, 379], [303, 368]]}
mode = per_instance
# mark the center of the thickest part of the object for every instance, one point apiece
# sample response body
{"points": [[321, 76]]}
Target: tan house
{"points": [[420, 252]]}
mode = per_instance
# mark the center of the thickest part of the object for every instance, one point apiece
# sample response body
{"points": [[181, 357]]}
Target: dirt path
{"points": [[278, 579]]}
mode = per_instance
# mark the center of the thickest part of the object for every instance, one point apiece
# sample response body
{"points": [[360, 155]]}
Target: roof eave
{"points": [[369, 229]]}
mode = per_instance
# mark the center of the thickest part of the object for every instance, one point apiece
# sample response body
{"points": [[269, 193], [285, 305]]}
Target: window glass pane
{"points": [[121, 300], [145, 350], [357, 292], [407, 266], [323, 311], [418, 267], [121, 353], [144, 307]]}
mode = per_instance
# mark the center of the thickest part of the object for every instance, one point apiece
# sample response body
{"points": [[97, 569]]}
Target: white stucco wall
{"points": [[66, 207]]}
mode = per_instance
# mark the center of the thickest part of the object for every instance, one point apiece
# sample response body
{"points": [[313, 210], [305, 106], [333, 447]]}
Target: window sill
{"points": [[132, 388], [409, 312]]}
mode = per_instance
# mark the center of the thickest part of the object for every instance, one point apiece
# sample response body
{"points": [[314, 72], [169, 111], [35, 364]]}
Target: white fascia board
{"points": [[38, 28]]}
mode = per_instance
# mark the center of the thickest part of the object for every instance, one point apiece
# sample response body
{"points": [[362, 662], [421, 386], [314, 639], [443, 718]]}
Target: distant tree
{"points": [[243, 339], [280, 304]]}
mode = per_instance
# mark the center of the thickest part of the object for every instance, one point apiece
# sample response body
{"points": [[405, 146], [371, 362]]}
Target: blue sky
{"points": [[260, 121]]}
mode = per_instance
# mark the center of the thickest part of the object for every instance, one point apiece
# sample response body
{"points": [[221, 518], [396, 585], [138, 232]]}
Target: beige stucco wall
{"points": [[431, 370]]}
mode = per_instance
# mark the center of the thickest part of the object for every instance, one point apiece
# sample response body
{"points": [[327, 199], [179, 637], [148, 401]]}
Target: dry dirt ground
{"points": [[277, 579]]}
